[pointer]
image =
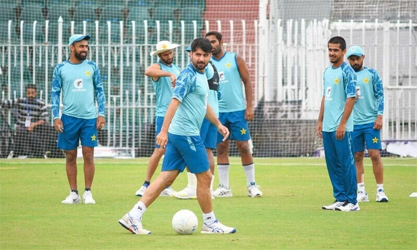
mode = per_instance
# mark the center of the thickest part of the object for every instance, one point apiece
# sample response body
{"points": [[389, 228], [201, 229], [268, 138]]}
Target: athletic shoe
{"points": [[88, 198], [222, 191], [362, 197], [380, 196], [72, 198], [348, 207], [253, 190], [186, 194], [141, 191], [168, 192], [333, 206], [134, 226], [217, 228]]}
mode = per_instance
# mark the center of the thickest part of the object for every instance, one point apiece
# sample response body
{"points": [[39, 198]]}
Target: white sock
{"points": [[192, 181], [361, 187], [223, 170], [379, 187], [137, 211], [209, 218], [250, 174]]}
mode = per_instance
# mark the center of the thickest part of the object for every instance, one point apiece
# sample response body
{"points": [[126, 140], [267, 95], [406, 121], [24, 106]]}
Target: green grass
{"points": [[289, 216]]}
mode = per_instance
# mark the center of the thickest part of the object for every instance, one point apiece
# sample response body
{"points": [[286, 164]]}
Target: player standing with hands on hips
{"points": [[80, 82], [367, 117], [180, 135], [335, 125]]}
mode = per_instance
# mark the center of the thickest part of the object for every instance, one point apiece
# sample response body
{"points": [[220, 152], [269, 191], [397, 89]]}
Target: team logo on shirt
{"points": [[365, 80], [336, 81], [228, 65], [88, 73]]}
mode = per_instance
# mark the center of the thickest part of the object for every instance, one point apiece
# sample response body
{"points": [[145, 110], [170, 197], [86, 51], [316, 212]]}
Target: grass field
{"points": [[289, 216]]}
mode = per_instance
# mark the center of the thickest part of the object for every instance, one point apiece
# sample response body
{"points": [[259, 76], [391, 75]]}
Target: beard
{"points": [[200, 65], [79, 56], [357, 67], [166, 62]]}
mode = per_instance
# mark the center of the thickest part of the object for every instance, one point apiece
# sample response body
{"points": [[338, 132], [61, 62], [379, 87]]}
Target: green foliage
{"points": [[289, 216]]}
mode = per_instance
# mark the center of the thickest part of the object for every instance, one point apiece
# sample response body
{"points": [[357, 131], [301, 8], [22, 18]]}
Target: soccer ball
{"points": [[184, 222]]}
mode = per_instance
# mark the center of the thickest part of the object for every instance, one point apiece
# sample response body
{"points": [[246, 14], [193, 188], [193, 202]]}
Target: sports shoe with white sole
{"points": [[380, 196], [186, 194], [141, 191], [333, 206], [348, 207], [88, 198], [168, 192], [217, 228], [134, 226], [253, 190], [362, 197], [222, 191], [72, 198]]}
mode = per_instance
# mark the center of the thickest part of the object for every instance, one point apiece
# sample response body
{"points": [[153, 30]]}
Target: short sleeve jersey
{"points": [[339, 84], [163, 89]]}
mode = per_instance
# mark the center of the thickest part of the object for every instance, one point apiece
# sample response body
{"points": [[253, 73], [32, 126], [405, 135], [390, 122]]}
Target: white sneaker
{"points": [[168, 192], [380, 196], [186, 194], [134, 226], [253, 190], [349, 207], [362, 197], [217, 228], [88, 198], [141, 191], [222, 191], [333, 206], [72, 198]]}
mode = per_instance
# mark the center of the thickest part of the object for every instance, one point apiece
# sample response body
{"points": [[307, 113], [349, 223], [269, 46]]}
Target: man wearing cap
{"points": [[367, 119], [335, 125], [80, 82], [163, 76]]}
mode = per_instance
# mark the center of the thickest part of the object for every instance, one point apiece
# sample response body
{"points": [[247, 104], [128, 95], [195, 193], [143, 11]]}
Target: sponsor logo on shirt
{"points": [[78, 85], [329, 93]]}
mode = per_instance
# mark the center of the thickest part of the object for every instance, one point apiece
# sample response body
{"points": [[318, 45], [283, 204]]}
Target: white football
{"points": [[184, 222]]}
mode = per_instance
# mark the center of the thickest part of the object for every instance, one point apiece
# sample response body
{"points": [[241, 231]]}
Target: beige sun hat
{"points": [[163, 46]]}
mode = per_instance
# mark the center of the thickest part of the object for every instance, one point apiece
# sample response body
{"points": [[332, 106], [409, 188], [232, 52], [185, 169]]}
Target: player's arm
{"points": [[244, 74], [349, 83], [379, 95], [55, 99], [156, 72], [211, 117], [162, 137], [101, 100], [319, 127]]}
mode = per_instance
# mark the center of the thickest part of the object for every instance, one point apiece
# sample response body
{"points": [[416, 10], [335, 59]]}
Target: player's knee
{"points": [[374, 155], [243, 148], [358, 156]]}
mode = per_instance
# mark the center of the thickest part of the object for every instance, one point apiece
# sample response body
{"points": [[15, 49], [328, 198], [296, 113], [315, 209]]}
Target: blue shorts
{"points": [[158, 125], [184, 151], [208, 134], [365, 134], [76, 129], [237, 125]]}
